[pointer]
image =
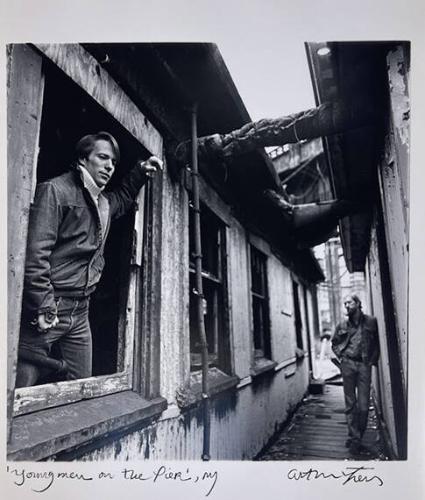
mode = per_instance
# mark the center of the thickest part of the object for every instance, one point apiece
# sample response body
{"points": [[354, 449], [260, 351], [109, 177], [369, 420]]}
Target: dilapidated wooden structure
{"points": [[260, 310], [370, 165]]}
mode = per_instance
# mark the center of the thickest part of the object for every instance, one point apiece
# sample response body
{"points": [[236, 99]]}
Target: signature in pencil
{"points": [[350, 474]]}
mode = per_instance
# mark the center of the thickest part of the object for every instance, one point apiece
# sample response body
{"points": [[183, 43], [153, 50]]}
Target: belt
{"points": [[354, 358], [75, 293]]}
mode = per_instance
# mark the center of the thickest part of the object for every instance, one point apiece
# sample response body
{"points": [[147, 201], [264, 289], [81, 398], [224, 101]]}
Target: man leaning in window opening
{"points": [[68, 225], [356, 344]]}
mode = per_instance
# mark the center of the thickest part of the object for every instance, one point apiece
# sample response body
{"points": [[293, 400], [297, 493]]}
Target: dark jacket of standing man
{"points": [[69, 222], [356, 344]]}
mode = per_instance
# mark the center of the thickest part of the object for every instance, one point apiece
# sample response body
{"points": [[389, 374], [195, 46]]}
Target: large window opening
{"points": [[68, 113], [297, 316], [214, 292], [260, 307]]}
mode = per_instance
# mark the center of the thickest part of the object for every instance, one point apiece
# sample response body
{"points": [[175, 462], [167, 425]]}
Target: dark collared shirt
{"points": [[354, 348]]}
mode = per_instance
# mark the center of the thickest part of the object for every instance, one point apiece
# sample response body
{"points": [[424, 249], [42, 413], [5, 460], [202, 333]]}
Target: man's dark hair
{"points": [[86, 144], [357, 300]]}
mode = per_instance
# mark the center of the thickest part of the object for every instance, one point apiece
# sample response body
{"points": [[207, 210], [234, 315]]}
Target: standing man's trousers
{"points": [[356, 378], [73, 336]]}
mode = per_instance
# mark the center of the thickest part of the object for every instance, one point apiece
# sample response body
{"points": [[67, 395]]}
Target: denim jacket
{"points": [[65, 238], [370, 339]]}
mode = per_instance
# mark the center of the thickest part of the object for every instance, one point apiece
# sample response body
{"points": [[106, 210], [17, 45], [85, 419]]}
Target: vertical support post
{"points": [[25, 88], [199, 288]]}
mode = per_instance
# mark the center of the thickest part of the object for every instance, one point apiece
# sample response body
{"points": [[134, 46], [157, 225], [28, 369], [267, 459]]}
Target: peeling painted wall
{"points": [[240, 294], [281, 311], [394, 175], [398, 78], [243, 419], [258, 410], [314, 333], [175, 367], [388, 281], [384, 376]]}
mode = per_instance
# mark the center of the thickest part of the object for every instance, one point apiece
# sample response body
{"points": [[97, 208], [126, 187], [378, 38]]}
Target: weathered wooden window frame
{"points": [[214, 280], [298, 313], [265, 335], [210, 199], [85, 71]]}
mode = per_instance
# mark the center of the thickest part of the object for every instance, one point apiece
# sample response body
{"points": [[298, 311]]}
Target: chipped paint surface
{"points": [[281, 310], [239, 288], [398, 78], [175, 293], [235, 430], [375, 288], [398, 251], [394, 177]]}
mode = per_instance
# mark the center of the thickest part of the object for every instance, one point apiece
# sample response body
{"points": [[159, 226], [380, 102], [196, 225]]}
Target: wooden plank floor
{"points": [[318, 431]]}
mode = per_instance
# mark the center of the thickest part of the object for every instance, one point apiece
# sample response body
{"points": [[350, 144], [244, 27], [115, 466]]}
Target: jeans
{"points": [[356, 378], [73, 336]]}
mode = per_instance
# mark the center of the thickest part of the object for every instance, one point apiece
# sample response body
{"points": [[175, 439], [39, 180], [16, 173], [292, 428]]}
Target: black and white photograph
{"points": [[196, 278]]}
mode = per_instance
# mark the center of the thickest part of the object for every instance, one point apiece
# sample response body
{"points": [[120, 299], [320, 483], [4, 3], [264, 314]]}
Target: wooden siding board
{"points": [[260, 244], [38, 436], [211, 198], [174, 339], [239, 289], [394, 190], [313, 331], [398, 254], [83, 68], [25, 91], [153, 300], [235, 430], [378, 311], [281, 325], [30, 399], [398, 77]]}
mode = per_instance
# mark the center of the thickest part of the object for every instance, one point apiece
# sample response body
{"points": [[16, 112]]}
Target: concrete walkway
{"points": [[318, 431]]}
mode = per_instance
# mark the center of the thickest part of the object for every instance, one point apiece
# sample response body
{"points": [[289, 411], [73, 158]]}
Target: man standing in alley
{"points": [[356, 344], [68, 226]]}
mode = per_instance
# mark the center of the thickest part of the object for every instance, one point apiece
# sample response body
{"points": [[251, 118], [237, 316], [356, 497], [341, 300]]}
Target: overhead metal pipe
{"points": [[327, 119], [310, 214], [311, 223]]}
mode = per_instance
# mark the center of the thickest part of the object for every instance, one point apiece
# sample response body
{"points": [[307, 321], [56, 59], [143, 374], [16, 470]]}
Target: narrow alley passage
{"points": [[318, 431]]}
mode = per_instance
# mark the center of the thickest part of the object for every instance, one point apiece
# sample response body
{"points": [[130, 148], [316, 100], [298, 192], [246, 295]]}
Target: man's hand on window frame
{"points": [[151, 166]]}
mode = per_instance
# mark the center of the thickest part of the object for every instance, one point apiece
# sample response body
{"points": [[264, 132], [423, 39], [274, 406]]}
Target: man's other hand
{"points": [[151, 166], [44, 324]]}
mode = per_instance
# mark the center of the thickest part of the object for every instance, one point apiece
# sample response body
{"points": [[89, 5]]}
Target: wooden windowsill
{"points": [[262, 365], [218, 382], [43, 434]]}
